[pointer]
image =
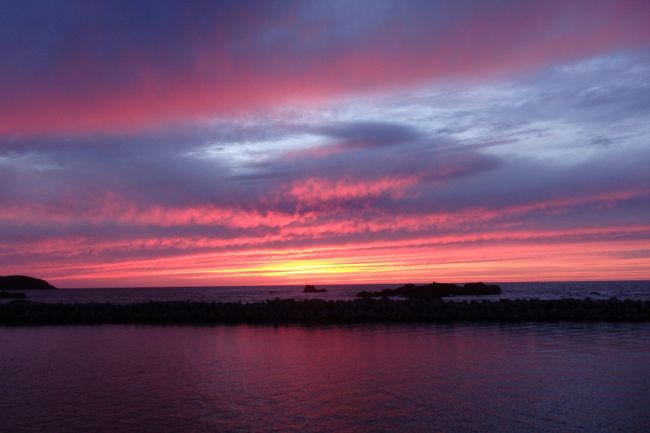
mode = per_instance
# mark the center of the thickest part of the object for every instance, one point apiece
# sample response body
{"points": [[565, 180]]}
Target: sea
{"points": [[416, 378], [637, 290], [361, 378]]}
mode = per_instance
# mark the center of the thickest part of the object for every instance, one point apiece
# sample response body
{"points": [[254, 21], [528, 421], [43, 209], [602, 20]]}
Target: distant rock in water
{"points": [[312, 289], [435, 291], [22, 282], [12, 295]]}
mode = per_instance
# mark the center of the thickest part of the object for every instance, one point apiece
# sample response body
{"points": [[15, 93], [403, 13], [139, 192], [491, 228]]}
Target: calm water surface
{"points": [[384, 378]]}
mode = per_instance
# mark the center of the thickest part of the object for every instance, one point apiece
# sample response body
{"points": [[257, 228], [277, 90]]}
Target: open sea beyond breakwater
{"points": [[636, 290]]}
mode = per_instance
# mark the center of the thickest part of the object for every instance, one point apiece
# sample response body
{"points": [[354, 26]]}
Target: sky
{"points": [[190, 143]]}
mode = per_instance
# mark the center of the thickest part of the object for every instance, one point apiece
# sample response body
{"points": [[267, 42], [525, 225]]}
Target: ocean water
{"points": [[381, 378], [543, 290]]}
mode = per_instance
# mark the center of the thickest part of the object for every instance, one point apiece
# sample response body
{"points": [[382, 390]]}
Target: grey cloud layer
{"points": [[494, 145]]}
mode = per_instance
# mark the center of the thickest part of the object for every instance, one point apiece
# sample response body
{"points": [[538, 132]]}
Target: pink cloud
{"points": [[317, 190], [227, 77]]}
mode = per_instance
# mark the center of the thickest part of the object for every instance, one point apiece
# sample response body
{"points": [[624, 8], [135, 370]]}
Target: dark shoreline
{"points": [[325, 312]]}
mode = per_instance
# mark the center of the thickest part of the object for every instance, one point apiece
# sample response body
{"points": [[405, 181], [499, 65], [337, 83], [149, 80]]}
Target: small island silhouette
{"points": [[23, 282], [312, 289]]}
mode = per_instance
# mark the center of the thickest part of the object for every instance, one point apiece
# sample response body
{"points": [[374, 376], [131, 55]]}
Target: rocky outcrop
{"points": [[22, 282], [312, 289], [435, 291]]}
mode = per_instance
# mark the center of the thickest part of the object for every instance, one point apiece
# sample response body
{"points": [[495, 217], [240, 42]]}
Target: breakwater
{"points": [[319, 311]]}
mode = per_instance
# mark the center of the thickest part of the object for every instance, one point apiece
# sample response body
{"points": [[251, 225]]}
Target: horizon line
{"points": [[352, 284]]}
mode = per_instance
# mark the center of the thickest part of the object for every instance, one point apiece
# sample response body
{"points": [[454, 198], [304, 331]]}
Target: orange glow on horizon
{"points": [[497, 262]]}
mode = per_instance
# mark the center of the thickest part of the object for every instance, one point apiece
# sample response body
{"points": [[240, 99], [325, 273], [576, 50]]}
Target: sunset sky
{"points": [[189, 143]]}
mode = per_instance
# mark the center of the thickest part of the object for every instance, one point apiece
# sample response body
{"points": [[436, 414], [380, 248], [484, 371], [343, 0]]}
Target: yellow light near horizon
{"points": [[308, 267], [297, 268]]}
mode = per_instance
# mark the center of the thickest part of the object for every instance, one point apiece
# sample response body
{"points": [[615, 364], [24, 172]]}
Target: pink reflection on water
{"points": [[322, 379]]}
